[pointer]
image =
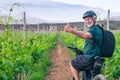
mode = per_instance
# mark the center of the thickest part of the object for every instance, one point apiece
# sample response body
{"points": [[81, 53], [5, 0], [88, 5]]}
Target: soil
{"points": [[60, 60]]}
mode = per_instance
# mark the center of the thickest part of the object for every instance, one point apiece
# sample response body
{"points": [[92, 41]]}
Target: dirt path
{"points": [[60, 60]]}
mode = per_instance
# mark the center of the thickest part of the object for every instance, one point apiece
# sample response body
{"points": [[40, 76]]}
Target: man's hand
{"points": [[68, 28]]}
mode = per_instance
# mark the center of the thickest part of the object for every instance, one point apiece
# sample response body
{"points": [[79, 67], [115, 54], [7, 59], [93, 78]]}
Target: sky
{"points": [[113, 5]]}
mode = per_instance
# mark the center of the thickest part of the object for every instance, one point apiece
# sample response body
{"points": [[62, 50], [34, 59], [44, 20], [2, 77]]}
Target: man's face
{"points": [[89, 21]]}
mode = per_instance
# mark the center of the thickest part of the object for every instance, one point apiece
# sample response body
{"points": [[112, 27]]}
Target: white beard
{"points": [[89, 25]]}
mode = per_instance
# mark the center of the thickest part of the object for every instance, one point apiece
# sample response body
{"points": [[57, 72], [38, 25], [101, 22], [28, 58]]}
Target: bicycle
{"points": [[93, 72]]}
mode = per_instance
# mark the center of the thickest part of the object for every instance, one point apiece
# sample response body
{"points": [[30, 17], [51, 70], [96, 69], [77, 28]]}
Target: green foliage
{"points": [[37, 76], [16, 58], [113, 28]]}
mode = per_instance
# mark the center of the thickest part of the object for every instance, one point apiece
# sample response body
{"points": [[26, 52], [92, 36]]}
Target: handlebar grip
{"points": [[78, 52], [70, 47]]}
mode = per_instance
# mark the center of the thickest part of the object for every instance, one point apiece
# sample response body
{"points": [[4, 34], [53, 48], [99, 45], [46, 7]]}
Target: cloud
{"points": [[4, 2], [8, 3]]}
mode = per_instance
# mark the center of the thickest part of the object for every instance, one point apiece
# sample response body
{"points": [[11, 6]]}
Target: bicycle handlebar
{"points": [[76, 50]]}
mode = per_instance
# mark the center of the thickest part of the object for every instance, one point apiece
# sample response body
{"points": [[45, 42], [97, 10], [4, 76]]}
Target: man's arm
{"points": [[80, 34]]}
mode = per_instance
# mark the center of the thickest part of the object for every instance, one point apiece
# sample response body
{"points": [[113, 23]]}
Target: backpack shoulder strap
{"points": [[102, 37], [100, 27]]}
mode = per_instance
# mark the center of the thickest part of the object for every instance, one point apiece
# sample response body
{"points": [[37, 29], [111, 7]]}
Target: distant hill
{"points": [[56, 11], [49, 11], [18, 19], [29, 19]]}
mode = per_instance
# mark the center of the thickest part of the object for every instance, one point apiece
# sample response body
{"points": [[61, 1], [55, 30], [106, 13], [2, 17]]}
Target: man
{"points": [[93, 43]]}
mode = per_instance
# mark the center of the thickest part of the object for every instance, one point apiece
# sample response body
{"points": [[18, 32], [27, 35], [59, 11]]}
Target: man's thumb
{"points": [[68, 24]]}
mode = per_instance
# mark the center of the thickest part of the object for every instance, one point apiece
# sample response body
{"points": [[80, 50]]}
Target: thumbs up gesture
{"points": [[68, 28]]}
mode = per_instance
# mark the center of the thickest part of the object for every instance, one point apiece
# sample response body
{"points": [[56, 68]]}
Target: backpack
{"points": [[108, 43]]}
